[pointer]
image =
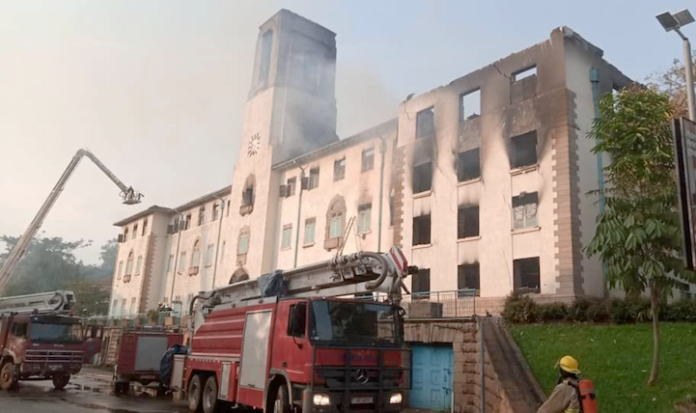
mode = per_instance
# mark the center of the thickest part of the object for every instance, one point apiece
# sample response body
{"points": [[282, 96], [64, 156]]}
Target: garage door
{"points": [[432, 378]]}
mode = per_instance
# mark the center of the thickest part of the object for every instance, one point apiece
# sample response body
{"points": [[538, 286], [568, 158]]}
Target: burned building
{"points": [[483, 181]]}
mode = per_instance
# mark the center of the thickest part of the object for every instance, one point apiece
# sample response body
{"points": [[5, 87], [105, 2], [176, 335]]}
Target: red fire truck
{"points": [[291, 341], [39, 339]]}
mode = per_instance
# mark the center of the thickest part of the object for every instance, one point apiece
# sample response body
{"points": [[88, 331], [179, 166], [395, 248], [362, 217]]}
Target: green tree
{"points": [[638, 235], [673, 82], [108, 256], [91, 297]]}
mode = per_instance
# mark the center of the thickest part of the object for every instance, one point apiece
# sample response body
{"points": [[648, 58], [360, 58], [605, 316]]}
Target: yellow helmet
{"points": [[569, 364]]}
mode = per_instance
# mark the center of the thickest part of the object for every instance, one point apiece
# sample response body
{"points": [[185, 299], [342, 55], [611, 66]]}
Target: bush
{"points": [[552, 312], [682, 310], [578, 311], [520, 309], [598, 311]]}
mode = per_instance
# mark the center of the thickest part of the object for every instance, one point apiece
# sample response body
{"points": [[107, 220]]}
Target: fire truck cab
{"points": [[304, 348]]}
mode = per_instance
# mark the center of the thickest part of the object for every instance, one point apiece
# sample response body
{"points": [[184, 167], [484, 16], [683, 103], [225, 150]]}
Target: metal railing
{"points": [[452, 304]]}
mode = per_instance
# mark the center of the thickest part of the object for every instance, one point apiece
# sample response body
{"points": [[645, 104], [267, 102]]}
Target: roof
{"points": [[375, 132], [151, 210]]}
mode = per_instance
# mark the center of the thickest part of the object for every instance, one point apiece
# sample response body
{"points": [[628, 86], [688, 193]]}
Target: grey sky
{"points": [[156, 89]]}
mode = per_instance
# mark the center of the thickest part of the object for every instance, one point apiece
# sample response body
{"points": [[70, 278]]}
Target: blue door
{"points": [[432, 378]]}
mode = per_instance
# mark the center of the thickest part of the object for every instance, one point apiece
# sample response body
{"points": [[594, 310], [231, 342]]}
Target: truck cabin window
{"points": [[352, 323], [19, 330], [55, 330], [298, 320]]}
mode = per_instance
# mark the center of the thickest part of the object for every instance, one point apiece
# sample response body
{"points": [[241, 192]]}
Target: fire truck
{"points": [[311, 339], [39, 339]]}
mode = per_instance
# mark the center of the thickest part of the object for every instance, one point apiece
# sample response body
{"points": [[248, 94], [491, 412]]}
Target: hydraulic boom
{"points": [[129, 195]]}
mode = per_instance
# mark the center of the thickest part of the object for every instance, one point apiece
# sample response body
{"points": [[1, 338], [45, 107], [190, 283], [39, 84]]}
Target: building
{"points": [[481, 181]]}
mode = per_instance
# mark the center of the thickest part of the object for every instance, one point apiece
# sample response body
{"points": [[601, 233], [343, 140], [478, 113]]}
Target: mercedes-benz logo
{"points": [[361, 376]]}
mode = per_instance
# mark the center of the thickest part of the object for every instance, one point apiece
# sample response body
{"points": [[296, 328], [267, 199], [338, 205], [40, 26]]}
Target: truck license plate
{"points": [[361, 400]]}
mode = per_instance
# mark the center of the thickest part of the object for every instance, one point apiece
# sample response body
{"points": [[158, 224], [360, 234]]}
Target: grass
{"points": [[617, 358]]}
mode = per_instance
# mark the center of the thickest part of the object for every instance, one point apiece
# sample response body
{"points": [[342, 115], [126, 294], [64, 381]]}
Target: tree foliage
{"points": [[638, 235], [673, 83]]}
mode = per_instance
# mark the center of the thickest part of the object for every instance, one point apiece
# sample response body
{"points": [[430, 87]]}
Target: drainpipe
{"points": [[594, 78], [383, 152], [299, 215], [217, 246], [176, 256]]}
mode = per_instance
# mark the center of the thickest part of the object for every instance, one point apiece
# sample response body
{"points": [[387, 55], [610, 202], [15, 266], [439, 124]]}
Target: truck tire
{"points": [[195, 389], [210, 395], [281, 403], [8, 379], [60, 381]]}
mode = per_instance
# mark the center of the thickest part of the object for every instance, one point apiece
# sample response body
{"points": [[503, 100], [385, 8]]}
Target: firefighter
{"points": [[564, 398]]}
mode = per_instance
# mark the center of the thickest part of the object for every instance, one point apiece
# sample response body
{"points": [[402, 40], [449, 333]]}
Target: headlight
{"points": [[395, 398], [321, 400]]}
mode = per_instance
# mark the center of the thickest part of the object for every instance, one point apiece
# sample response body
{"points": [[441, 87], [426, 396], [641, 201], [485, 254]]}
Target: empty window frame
{"points": [[339, 169], [470, 105], [309, 231], [524, 210], [187, 222], [421, 283], [292, 186], [243, 245], [364, 218], [527, 274], [425, 122], [201, 216], [139, 265], [313, 178], [368, 159], [422, 177], [129, 264], [524, 73], [248, 194], [216, 212], [524, 150], [421, 230], [144, 227], [468, 278], [469, 165], [210, 254], [196, 254], [468, 221], [286, 241], [135, 231]]}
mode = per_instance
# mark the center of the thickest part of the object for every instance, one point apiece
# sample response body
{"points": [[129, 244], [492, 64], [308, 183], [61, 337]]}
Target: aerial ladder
{"points": [[129, 195], [48, 302], [345, 275]]}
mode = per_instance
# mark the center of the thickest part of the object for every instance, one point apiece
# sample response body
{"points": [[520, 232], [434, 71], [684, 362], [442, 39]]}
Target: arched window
{"points": [[335, 222], [196, 254], [248, 195], [129, 264], [239, 275]]}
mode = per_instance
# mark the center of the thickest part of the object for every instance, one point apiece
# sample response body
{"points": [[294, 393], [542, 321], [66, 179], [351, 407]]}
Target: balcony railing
{"points": [[455, 303]]}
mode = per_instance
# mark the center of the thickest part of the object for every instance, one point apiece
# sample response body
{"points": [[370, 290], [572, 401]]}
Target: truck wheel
{"points": [[281, 404], [60, 381], [195, 389], [8, 380], [210, 395]]}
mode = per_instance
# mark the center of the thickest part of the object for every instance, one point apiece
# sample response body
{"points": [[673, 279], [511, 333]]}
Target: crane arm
{"points": [[129, 196]]}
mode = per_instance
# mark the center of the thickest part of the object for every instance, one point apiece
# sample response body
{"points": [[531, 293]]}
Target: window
{"points": [[339, 169], [468, 278], [524, 150], [144, 227], [368, 159], [421, 230], [132, 306], [524, 210], [392, 212], [129, 264], [524, 73], [313, 178], [120, 270], [364, 218], [287, 237], [468, 165], [309, 229], [196, 254], [422, 177], [425, 122], [222, 253], [336, 225], [469, 105], [125, 234], [123, 307], [216, 211], [210, 254], [527, 274], [468, 221], [139, 265], [170, 262], [135, 231], [248, 196], [265, 56], [182, 261], [297, 322], [19, 330], [421, 283], [228, 208], [187, 222], [292, 185], [243, 246]]}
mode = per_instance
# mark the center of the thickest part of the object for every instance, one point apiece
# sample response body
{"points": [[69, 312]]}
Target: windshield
{"points": [[352, 323], [54, 331]]}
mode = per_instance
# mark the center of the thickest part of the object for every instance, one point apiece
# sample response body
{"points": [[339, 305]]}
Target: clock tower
{"points": [[291, 110]]}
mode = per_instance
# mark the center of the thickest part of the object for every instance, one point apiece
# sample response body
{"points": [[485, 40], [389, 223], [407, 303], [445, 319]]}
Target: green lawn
{"points": [[617, 358]]}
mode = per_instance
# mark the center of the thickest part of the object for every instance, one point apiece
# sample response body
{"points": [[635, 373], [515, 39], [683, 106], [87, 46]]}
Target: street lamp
{"points": [[674, 22]]}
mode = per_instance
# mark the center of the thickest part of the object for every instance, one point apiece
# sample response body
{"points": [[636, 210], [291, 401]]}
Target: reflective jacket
{"points": [[563, 399]]}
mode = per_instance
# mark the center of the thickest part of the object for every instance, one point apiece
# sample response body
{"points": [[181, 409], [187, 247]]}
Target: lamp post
{"points": [[674, 22]]}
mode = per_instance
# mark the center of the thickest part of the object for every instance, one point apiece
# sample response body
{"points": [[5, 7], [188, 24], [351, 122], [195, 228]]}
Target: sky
{"points": [[156, 89]]}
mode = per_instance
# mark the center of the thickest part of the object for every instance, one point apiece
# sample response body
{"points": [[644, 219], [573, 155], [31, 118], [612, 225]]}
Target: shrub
{"points": [[520, 309], [578, 311], [598, 311], [552, 312], [682, 310]]}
